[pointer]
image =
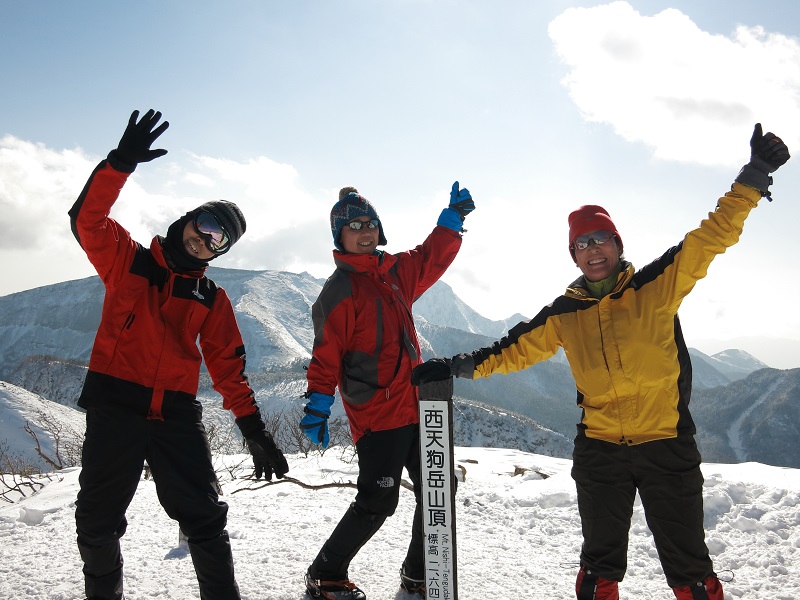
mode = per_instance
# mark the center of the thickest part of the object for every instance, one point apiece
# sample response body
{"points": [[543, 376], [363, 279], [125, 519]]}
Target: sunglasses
{"points": [[213, 233], [359, 225], [598, 237]]}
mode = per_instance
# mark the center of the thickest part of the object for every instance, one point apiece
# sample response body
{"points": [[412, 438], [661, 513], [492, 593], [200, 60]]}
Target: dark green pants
{"points": [[667, 475]]}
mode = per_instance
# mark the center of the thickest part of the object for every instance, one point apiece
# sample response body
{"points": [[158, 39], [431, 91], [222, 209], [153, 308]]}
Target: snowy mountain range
{"points": [[46, 336], [519, 534]]}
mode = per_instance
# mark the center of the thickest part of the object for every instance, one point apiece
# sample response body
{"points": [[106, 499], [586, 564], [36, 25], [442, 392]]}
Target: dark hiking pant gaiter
{"points": [[382, 455]]}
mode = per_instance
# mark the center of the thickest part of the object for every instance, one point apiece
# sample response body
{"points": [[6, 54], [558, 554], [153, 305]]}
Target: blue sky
{"points": [[537, 107]]}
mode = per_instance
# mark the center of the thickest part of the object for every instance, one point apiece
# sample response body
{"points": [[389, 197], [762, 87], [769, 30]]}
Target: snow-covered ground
{"points": [[518, 534]]}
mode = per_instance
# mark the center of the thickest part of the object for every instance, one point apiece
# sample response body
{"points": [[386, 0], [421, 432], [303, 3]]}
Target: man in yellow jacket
{"points": [[620, 331]]}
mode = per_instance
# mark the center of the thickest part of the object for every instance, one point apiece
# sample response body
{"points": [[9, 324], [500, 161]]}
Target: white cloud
{"points": [[287, 226], [687, 94], [199, 179], [37, 187], [269, 193]]}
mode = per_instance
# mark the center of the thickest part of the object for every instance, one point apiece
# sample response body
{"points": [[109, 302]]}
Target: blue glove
{"points": [[315, 423], [461, 204], [461, 201]]}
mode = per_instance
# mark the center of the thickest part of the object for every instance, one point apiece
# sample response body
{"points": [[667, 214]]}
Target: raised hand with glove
{"points": [[315, 423], [767, 153], [139, 135], [461, 204], [267, 457]]}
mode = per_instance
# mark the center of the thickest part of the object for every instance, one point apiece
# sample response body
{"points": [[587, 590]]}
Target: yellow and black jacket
{"points": [[626, 350]]}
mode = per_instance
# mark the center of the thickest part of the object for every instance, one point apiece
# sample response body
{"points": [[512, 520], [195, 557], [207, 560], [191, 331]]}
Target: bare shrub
{"points": [[19, 476], [67, 442]]}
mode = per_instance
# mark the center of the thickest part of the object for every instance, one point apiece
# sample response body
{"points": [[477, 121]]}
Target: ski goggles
{"points": [[213, 233], [359, 225], [598, 237]]}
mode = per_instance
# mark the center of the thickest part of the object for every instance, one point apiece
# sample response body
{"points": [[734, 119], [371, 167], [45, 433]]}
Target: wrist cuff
{"points": [[118, 164], [451, 219], [463, 365], [251, 424], [754, 177]]}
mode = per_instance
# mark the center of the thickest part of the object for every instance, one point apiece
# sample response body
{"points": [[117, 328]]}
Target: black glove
{"points": [[439, 369], [767, 154], [436, 369], [134, 146], [769, 148], [267, 457]]}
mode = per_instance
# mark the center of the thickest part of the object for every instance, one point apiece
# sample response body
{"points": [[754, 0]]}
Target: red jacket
{"points": [[365, 341], [145, 355]]}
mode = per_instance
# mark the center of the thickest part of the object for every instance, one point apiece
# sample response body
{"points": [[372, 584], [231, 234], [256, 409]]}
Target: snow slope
{"points": [[518, 533]]}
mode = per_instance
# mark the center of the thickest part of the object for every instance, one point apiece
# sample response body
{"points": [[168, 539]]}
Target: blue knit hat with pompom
{"points": [[351, 205]]}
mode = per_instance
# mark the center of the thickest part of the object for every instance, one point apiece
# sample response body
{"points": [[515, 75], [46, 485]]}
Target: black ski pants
{"points": [[116, 445], [382, 455], [667, 475]]}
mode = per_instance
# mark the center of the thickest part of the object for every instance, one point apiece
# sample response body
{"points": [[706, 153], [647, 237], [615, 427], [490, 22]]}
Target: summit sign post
{"points": [[438, 489]]}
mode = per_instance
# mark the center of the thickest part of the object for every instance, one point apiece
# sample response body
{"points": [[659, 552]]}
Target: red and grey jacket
{"points": [[365, 341], [145, 355]]}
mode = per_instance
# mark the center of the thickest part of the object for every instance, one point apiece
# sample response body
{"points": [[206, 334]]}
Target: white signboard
{"points": [[438, 493]]}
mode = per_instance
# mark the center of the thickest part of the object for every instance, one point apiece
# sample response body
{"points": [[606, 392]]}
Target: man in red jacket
{"points": [[141, 385], [365, 344]]}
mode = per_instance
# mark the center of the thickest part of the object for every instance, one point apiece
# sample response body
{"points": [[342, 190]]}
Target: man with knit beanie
{"points": [[620, 331], [141, 385], [365, 344]]}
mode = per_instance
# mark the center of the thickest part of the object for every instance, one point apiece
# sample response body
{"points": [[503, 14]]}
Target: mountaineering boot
{"points": [[708, 589], [410, 584], [343, 589], [589, 586]]}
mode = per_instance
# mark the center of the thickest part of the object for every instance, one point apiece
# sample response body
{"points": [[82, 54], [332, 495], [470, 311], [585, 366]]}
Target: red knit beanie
{"points": [[587, 219]]}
